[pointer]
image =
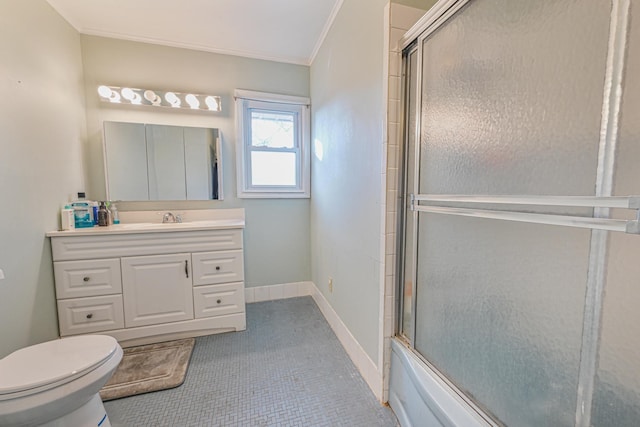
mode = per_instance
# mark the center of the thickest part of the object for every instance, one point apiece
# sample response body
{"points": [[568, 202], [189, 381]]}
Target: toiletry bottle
{"points": [[109, 214], [67, 218], [115, 218], [83, 212], [103, 215], [94, 207]]}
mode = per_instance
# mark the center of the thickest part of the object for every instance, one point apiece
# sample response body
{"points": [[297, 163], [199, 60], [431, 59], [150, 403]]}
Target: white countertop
{"points": [[147, 222]]}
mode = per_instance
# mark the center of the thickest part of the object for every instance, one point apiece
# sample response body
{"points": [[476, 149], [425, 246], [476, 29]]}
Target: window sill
{"points": [[273, 195]]}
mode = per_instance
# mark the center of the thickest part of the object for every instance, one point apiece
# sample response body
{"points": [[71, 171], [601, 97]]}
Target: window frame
{"points": [[248, 101]]}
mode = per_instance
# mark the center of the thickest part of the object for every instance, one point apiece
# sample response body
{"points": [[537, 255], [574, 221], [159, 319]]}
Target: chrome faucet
{"points": [[169, 217]]}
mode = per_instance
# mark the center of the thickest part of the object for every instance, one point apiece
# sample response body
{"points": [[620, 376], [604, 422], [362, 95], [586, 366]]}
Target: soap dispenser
{"points": [[115, 218]]}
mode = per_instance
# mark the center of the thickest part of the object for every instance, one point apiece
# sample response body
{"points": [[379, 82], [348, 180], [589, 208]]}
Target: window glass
{"points": [[273, 129], [273, 169]]}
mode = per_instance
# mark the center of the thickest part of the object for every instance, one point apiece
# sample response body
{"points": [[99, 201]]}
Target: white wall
{"points": [[348, 121], [43, 126], [276, 240]]}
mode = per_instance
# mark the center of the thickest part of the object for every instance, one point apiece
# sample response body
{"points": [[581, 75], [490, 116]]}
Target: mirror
{"points": [[161, 162]]}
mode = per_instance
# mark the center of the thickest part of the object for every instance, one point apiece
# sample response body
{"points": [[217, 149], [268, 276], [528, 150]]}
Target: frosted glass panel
{"points": [[500, 312], [512, 97], [617, 383], [617, 388]]}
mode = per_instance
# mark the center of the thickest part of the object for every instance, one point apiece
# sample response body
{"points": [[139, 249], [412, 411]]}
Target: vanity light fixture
{"points": [[158, 98]]}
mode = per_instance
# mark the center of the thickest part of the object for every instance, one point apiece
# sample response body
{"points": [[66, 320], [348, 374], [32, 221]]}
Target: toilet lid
{"points": [[52, 361]]}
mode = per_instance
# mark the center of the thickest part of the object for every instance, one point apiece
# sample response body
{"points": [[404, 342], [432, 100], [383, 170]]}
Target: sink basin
{"points": [[138, 225], [186, 224]]}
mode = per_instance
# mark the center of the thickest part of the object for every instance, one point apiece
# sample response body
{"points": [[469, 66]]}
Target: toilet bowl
{"points": [[56, 383]]}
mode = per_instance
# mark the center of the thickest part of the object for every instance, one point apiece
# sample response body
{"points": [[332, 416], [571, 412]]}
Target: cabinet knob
{"points": [[219, 301], [89, 316], [217, 268], [86, 278]]}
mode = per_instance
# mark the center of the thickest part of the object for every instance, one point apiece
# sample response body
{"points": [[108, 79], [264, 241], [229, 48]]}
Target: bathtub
{"points": [[419, 397]]}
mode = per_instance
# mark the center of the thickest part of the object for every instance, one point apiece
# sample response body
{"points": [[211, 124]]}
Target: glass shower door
{"points": [[509, 101]]}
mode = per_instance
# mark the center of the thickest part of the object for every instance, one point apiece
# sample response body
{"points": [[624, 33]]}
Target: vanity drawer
{"points": [[217, 300], [210, 268], [76, 279], [86, 315]]}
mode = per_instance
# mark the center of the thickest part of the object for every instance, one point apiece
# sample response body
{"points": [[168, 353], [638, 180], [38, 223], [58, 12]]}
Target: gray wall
{"points": [[347, 92], [43, 126], [277, 232]]}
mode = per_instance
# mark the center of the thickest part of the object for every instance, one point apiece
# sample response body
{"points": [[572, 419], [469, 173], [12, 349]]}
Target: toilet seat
{"points": [[50, 364]]}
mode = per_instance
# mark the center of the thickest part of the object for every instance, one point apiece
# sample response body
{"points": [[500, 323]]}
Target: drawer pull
{"points": [[86, 278], [219, 301], [89, 316], [186, 268], [217, 268]]}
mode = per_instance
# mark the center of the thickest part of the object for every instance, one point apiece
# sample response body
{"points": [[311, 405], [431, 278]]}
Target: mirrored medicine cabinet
{"points": [[161, 162]]}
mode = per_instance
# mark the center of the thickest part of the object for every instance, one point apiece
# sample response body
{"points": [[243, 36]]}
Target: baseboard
{"points": [[358, 356], [275, 292]]}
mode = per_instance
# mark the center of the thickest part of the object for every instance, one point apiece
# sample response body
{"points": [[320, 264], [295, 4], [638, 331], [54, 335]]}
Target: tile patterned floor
{"points": [[287, 369]]}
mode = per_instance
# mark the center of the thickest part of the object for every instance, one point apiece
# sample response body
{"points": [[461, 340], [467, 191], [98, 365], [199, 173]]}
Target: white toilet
{"points": [[56, 383]]}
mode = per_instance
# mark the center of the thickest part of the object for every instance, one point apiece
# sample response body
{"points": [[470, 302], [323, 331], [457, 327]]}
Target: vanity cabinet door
{"points": [[157, 289]]}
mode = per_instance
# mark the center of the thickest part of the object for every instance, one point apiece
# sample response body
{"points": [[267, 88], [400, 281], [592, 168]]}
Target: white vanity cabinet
{"points": [[149, 286]]}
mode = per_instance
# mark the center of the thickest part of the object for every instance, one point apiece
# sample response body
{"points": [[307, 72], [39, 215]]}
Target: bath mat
{"points": [[149, 368]]}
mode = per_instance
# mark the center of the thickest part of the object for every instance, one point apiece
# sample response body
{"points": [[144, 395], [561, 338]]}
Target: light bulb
{"points": [[212, 103], [152, 97], [172, 99], [104, 91], [192, 101], [127, 94], [115, 97], [131, 95]]}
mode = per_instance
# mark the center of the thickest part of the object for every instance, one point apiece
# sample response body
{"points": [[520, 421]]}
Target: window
{"points": [[272, 145]]}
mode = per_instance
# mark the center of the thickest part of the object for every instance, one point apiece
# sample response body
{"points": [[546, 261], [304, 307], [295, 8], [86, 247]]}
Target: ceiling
{"points": [[279, 30]]}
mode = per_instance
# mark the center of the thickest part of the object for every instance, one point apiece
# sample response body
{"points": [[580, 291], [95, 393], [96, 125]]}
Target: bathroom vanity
{"points": [[145, 281]]}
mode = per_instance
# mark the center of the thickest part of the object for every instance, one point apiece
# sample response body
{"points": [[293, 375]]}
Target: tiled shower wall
{"points": [[401, 19]]}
